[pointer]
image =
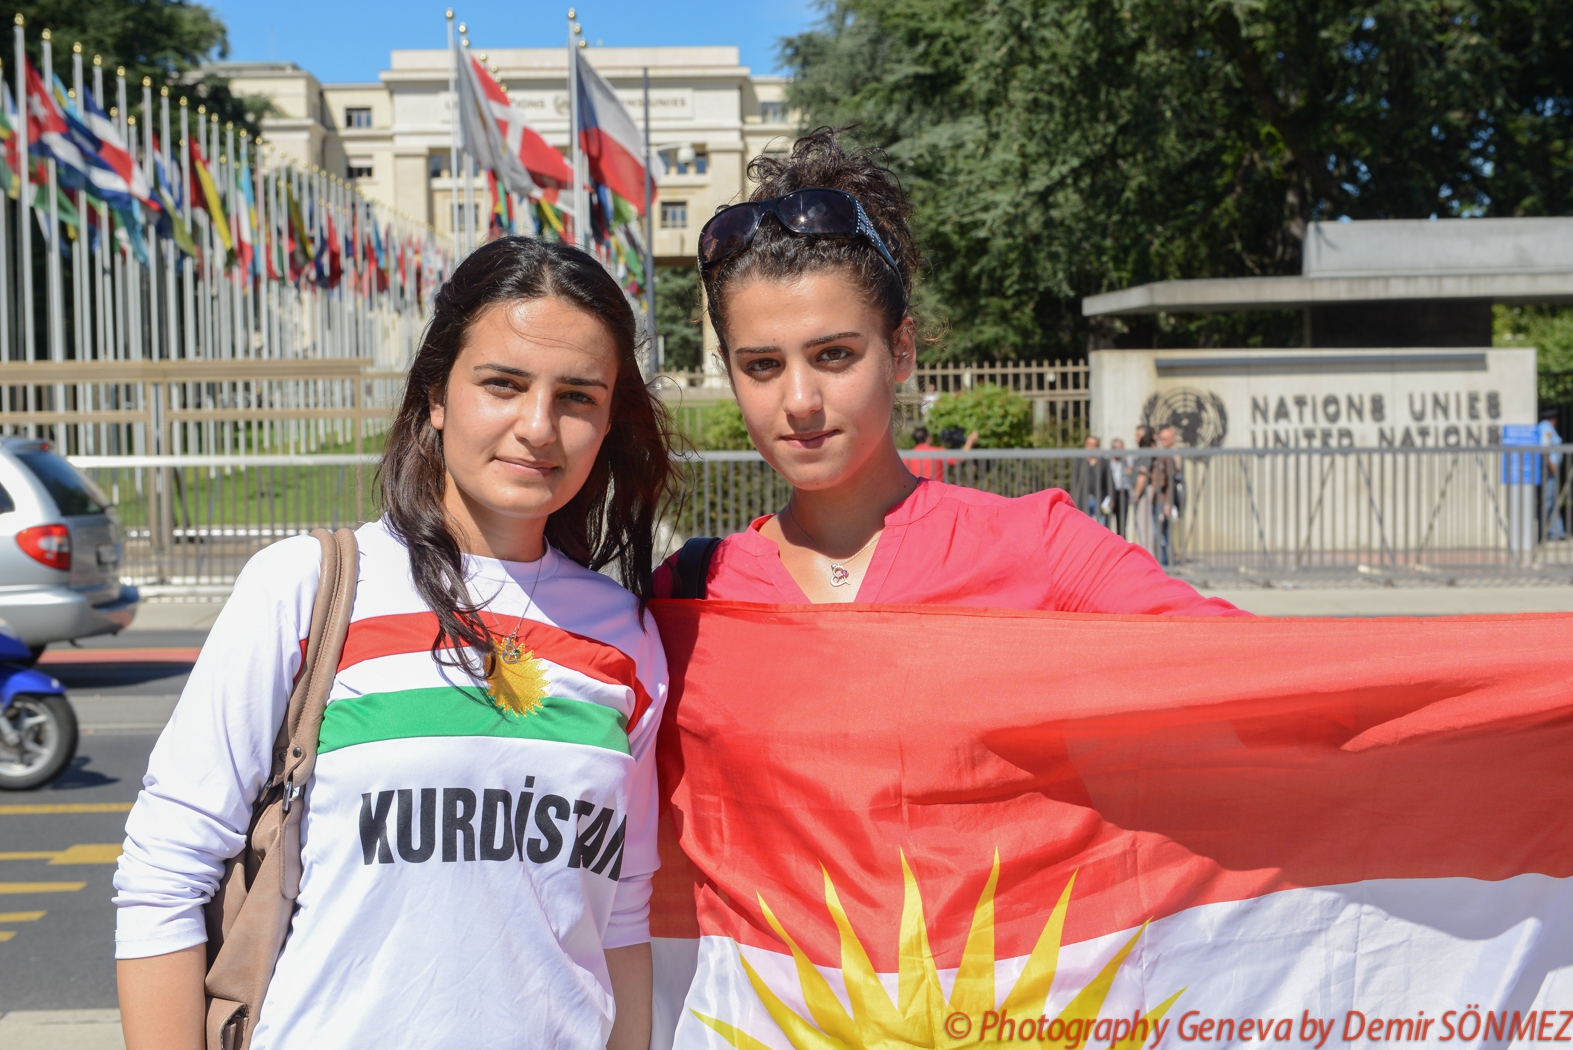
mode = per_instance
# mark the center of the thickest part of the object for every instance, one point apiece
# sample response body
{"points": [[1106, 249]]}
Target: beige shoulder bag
{"points": [[250, 914]]}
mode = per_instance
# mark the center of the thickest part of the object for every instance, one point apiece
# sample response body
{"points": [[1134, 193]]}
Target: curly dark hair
{"points": [[822, 158], [610, 519]]}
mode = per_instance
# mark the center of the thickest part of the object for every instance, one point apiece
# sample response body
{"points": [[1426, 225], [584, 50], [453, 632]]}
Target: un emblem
{"points": [[1197, 416]]}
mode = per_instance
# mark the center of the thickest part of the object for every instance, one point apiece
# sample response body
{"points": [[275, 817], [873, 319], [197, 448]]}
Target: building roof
{"points": [[1497, 260]]}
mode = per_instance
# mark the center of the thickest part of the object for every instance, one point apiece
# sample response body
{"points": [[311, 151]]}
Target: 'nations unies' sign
{"points": [[1314, 398]]}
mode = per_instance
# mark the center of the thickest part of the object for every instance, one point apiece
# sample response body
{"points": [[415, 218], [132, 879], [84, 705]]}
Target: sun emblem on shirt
{"points": [[517, 684]]}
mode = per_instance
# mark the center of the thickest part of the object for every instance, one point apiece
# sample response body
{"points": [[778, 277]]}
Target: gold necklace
{"points": [[840, 575]]}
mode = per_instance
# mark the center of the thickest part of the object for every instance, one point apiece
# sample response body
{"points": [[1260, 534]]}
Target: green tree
{"points": [[1002, 417], [1549, 329], [724, 427], [166, 40], [677, 317], [1059, 148]]}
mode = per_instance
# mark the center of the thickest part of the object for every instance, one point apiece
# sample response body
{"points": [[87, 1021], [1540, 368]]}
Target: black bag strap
{"points": [[693, 566]]}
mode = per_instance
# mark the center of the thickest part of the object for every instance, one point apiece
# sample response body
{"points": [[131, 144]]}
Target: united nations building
{"points": [[709, 115]]}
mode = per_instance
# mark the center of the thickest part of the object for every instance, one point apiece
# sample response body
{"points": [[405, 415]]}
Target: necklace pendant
{"points": [[839, 576], [510, 653]]}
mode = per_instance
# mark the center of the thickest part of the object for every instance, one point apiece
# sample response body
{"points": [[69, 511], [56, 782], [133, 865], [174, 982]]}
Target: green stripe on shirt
{"points": [[455, 711]]}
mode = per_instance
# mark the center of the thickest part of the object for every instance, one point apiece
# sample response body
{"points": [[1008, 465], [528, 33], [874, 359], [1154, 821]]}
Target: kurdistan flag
{"points": [[982, 827]]}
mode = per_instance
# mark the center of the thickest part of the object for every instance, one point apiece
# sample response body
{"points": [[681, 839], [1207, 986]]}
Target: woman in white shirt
{"points": [[477, 846]]}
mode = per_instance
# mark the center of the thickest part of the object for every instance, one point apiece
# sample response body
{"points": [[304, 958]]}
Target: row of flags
{"points": [[522, 165], [278, 225]]}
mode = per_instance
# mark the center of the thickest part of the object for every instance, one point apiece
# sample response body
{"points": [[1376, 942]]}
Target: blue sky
{"points": [[349, 40]]}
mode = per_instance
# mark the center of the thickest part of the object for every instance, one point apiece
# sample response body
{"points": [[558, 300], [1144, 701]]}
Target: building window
{"points": [[683, 160], [674, 215], [357, 117], [360, 168], [436, 165], [773, 112]]}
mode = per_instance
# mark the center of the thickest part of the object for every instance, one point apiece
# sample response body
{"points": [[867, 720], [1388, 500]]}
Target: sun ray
{"points": [[740, 1039], [1152, 1017], [973, 992], [866, 993], [823, 1005], [920, 997], [1031, 991], [918, 1017], [1090, 999], [799, 1032]]}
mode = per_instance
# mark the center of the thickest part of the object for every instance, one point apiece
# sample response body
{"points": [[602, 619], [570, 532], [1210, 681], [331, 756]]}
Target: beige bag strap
{"points": [[251, 913]]}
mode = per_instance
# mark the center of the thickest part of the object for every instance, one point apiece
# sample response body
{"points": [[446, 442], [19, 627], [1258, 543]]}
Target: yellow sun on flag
{"points": [[519, 686], [919, 1017]]}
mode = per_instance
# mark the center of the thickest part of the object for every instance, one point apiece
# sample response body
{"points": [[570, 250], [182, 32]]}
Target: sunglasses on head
{"points": [[812, 212]]}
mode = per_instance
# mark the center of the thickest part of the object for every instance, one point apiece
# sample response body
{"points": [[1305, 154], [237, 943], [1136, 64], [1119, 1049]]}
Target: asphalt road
{"points": [[58, 844]]}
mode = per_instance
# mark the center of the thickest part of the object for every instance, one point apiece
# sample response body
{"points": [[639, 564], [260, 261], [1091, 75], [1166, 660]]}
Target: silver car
{"points": [[60, 544]]}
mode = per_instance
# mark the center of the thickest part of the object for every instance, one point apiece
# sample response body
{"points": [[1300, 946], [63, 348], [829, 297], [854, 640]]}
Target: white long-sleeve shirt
{"points": [[463, 867]]}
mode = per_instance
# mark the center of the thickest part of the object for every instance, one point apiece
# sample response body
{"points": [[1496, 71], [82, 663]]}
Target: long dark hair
{"points": [[611, 519], [821, 158]]}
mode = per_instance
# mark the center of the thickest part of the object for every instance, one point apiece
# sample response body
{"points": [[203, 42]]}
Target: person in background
{"points": [[1120, 478], [929, 466], [1091, 485], [1552, 527], [1167, 496], [1142, 494]]}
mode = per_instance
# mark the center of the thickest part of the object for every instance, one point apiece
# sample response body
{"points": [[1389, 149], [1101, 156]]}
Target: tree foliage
{"points": [[677, 317], [165, 40], [1549, 329], [1002, 417], [724, 427], [1060, 148]]}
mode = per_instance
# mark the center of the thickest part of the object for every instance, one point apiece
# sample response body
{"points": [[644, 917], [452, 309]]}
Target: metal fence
{"points": [[193, 521]]}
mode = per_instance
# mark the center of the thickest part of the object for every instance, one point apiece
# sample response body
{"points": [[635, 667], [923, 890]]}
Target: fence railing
{"points": [[1060, 392], [236, 407], [193, 521]]}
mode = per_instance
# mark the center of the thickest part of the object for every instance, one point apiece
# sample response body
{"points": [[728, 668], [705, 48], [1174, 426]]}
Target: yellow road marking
{"points": [[6, 935], [21, 916], [83, 853], [92, 853], [40, 887], [65, 807]]}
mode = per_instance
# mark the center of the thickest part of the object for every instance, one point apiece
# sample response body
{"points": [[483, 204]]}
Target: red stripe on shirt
{"points": [[401, 633]]}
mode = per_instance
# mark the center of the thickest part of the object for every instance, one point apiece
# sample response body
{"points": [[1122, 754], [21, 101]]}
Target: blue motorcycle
{"points": [[37, 726]]}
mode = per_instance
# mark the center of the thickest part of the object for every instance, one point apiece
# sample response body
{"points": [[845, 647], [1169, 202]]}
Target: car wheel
{"points": [[45, 731]]}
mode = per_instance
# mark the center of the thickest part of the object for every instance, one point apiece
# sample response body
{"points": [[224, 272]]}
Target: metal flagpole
{"points": [[576, 155], [24, 233], [150, 147], [54, 280], [469, 203], [5, 252], [171, 254], [453, 134], [188, 291], [649, 237], [81, 289], [104, 251]]}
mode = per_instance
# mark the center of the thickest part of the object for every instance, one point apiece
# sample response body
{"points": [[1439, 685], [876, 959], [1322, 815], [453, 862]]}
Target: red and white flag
{"points": [[612, 143], [547, 167], [943, 827], [499, 137]]}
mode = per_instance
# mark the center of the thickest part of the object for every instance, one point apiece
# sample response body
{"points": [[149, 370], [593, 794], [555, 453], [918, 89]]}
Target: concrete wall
{"points": [[1438, 246], [1297, 398]]}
